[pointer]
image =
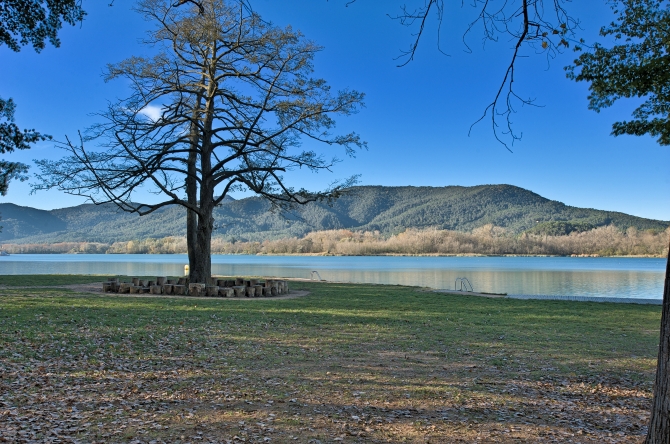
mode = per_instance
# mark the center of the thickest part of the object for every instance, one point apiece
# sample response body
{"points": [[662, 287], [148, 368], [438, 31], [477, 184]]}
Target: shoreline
{"points": [[640, 256]]}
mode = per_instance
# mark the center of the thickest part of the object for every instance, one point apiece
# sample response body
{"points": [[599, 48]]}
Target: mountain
{"points": [[369, 208]]}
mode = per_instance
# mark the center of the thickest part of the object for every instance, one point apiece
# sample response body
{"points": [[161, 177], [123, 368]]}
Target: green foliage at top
{"points": [[636, 66], [33, 22], [28, 22], [388, 210], [12, 138]]}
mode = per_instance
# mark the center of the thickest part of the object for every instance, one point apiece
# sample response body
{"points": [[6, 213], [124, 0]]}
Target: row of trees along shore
{"points": [[487, 240]]}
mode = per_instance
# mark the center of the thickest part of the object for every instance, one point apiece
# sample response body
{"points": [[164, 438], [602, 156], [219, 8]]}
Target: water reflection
{"points": [[595, 277]]}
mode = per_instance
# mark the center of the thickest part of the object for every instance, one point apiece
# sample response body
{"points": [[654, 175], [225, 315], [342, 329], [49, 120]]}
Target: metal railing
{"points": [[314, 272], [465, 284]]}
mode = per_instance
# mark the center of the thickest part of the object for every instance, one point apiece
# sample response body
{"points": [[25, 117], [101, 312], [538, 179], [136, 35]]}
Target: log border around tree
{"points": [[221, 287]]}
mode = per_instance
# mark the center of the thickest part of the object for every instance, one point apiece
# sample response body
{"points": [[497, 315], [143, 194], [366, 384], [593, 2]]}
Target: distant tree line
{"points": [[486, 240]]}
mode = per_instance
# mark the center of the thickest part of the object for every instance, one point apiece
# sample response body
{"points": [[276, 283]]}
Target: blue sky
{"points": [[416, 118]]}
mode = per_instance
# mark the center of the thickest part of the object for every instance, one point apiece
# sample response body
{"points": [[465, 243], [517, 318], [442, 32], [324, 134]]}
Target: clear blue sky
{"points": [[416, 118]]}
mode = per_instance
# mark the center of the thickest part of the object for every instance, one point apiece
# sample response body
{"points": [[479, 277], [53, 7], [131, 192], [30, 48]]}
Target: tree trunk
{"points": [[201, 266], [191, 239], [192, 216], [192, 189], [659, 423]]}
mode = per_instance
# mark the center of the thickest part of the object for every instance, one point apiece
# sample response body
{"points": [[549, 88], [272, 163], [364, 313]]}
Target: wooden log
{"points": [[226, 292], [239, 282], [114, 287], [273, 291], [182, 281], [135, 289], [136, 281], [212, 290], [150, 284], [106, 287], [196, 290], [178, 289], [249, 292], [167, 288], [253, 282], [239, 290], [267, 292], [156, 289], [113, 280], [172, 281], [161, 281], [221, 282], [125, 287], [258, 291], [212, 281]]}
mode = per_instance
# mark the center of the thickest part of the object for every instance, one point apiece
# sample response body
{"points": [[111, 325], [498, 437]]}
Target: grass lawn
{"points": [[347, 363]]}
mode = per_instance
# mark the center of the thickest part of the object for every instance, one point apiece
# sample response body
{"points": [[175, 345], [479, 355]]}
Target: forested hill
{"points": [[386, 209]]}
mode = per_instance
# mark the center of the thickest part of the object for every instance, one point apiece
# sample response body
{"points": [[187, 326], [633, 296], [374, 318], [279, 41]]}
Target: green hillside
{"points": [[374, 208]]}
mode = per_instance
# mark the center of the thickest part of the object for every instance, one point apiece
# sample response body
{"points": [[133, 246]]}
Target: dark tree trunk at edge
{"points": [[659, 423]]}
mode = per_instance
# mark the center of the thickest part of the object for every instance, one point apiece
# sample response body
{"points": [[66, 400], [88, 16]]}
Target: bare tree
{"points": [[235, 100]]}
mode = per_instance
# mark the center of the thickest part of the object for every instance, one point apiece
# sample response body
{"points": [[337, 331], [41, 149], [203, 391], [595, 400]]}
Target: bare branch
{"points": [[542, 26]]}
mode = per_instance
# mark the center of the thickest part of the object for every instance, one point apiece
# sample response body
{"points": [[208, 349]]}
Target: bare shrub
{"points": [[487, 240]]}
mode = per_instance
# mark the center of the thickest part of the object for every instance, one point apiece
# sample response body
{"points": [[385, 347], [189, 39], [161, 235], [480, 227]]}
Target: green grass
{"points": [[38, 280], [472, 360]]}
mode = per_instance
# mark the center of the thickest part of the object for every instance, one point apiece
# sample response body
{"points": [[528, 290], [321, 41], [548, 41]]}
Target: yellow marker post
{"points": [[186, 270]]}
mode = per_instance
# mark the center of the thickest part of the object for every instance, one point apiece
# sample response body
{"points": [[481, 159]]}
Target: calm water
{"points": [[592, 277]]}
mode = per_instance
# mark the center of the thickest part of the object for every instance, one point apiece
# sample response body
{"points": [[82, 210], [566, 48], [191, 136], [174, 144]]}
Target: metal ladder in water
{"points": [[465, 284]]}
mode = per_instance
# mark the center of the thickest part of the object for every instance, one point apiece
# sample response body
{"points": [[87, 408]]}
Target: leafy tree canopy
{"points": [[28, 22], [637, 65], [12, 138], [33, 22]]}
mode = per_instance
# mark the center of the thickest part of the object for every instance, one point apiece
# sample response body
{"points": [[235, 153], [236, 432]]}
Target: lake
{"points": [[639, 278]]}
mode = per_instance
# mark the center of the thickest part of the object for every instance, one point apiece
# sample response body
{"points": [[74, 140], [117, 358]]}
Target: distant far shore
{"points": [[607, 241], [641, 256]]}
